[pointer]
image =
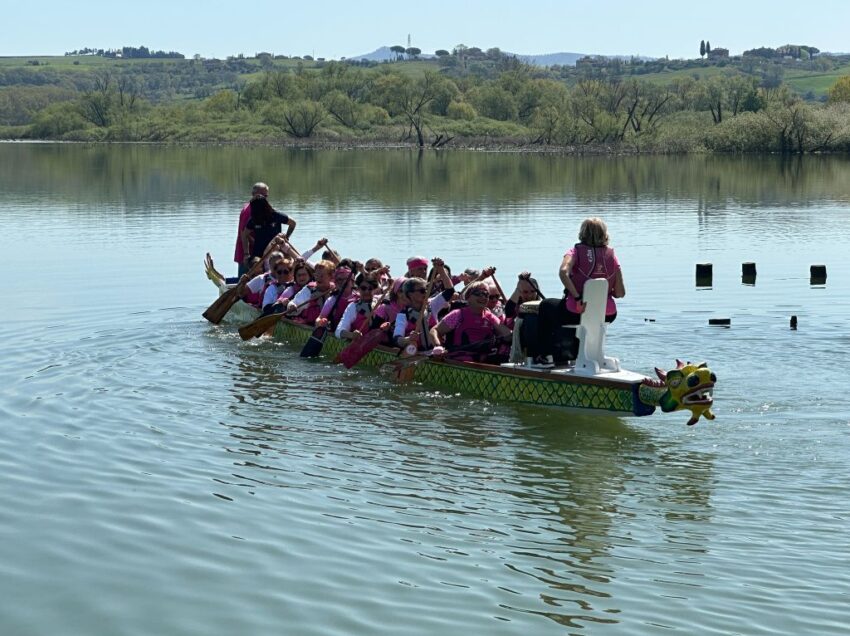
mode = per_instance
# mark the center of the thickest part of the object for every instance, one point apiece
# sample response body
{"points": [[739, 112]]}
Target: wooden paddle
{"points": [[313, 346], [404, 369], [216, 312], [262, 324], [536, 289], [358, 349], [499, 288]]}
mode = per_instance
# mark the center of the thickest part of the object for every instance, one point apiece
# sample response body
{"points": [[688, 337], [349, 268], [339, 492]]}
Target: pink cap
{"points": [[417, 261], [397, 283]]}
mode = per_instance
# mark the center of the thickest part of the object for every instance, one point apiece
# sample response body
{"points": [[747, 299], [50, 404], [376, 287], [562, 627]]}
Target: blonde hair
{"points": [[326, 265], [593, 232]]}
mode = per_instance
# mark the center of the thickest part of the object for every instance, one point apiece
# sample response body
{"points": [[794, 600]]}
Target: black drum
{"points": [[528, 334]]}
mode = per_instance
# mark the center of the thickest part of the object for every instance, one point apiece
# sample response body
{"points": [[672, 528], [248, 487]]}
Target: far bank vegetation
{"points": [[465, 97]]}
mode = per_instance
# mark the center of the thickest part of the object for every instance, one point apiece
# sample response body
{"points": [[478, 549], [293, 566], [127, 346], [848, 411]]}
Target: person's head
{"points": [[493, 296], [302, 273], [323, 272], [282, 270], [527, 289], [260, 189], [469, 274], [372, 264], [366, 286], [330, 255], [478, 295], [394, 295], [273, 259], [343, 275], [437, 282], [261, 209], [593, 232], [417, 267], [415, 290]]}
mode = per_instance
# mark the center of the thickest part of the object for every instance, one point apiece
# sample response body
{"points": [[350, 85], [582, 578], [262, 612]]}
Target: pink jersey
{"points": [[244, 216], [593, 262]]}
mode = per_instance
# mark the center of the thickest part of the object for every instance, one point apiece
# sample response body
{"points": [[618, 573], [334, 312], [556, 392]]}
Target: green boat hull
{"points": [[509, 384]]}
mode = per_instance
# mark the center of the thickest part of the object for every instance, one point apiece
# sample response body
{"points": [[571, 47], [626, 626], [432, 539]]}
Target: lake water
{"points": [[160, 476]]}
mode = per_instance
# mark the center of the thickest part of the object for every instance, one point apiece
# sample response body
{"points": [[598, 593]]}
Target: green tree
{"points": [[702, 48], [839, 93], [398, 50], [342, 108], [402, 95], [707, 47], [495, 102], [413, 52], [98, 105]]}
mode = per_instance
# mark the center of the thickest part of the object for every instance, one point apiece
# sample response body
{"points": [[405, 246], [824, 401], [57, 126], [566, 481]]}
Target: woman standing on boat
{"points": [[263, 226], [590, 258], [242, 256]]}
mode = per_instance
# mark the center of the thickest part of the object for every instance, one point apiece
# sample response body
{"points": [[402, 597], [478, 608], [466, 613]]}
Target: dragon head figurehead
{"points": [[687, 387]]}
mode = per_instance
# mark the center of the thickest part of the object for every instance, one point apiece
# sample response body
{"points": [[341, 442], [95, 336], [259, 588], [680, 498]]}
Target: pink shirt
{"points": [[244, 215], [452, 319], [593, 262]]}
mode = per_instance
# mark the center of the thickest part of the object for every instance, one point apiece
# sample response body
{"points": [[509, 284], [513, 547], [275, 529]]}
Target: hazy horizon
{"points": [[341, 29]]}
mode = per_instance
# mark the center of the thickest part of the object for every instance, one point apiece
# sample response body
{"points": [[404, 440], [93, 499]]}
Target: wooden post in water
{"points": [[704, 274], [748, 273], [818, 274]]}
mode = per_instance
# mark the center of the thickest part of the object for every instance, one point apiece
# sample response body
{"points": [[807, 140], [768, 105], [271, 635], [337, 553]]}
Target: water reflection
{"points": [[401, 179], [545, 500]]}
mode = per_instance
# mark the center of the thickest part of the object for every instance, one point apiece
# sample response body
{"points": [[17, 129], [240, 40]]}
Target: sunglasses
{"points": [[282, 270], [483, 294], [496, 297], [366, 287]]}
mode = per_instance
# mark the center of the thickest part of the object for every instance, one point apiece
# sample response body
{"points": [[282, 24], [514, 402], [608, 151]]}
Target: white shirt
{"points": [[272, 292], [300, 299], [348, 317], [436, 304]]}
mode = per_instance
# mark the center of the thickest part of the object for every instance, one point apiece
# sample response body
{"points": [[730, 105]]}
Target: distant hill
{"points": [[551, 59], [383, 54], [546, 59]]}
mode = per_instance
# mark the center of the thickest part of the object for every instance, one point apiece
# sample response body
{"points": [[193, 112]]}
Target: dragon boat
{"points": [[595, 381]]}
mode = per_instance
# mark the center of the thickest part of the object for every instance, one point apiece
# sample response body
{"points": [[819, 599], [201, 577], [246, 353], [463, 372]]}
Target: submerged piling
{"points": [[817, 274], [704, 274], [748, 273]]}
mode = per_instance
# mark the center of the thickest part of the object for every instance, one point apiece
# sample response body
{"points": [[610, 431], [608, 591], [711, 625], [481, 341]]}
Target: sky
{"points": [[346, 28]]}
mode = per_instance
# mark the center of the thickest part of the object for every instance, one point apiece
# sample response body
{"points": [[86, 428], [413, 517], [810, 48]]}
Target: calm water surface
{"points": [[160, 476]]}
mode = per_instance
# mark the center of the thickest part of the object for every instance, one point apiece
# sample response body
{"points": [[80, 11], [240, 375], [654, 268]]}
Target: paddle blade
{"points": [[405, 373], [313, 346], [260, 326], [216, 312], [358, 349]]}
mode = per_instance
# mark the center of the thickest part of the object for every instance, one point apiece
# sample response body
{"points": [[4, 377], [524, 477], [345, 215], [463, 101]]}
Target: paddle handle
{"points": [[499, 288]]}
